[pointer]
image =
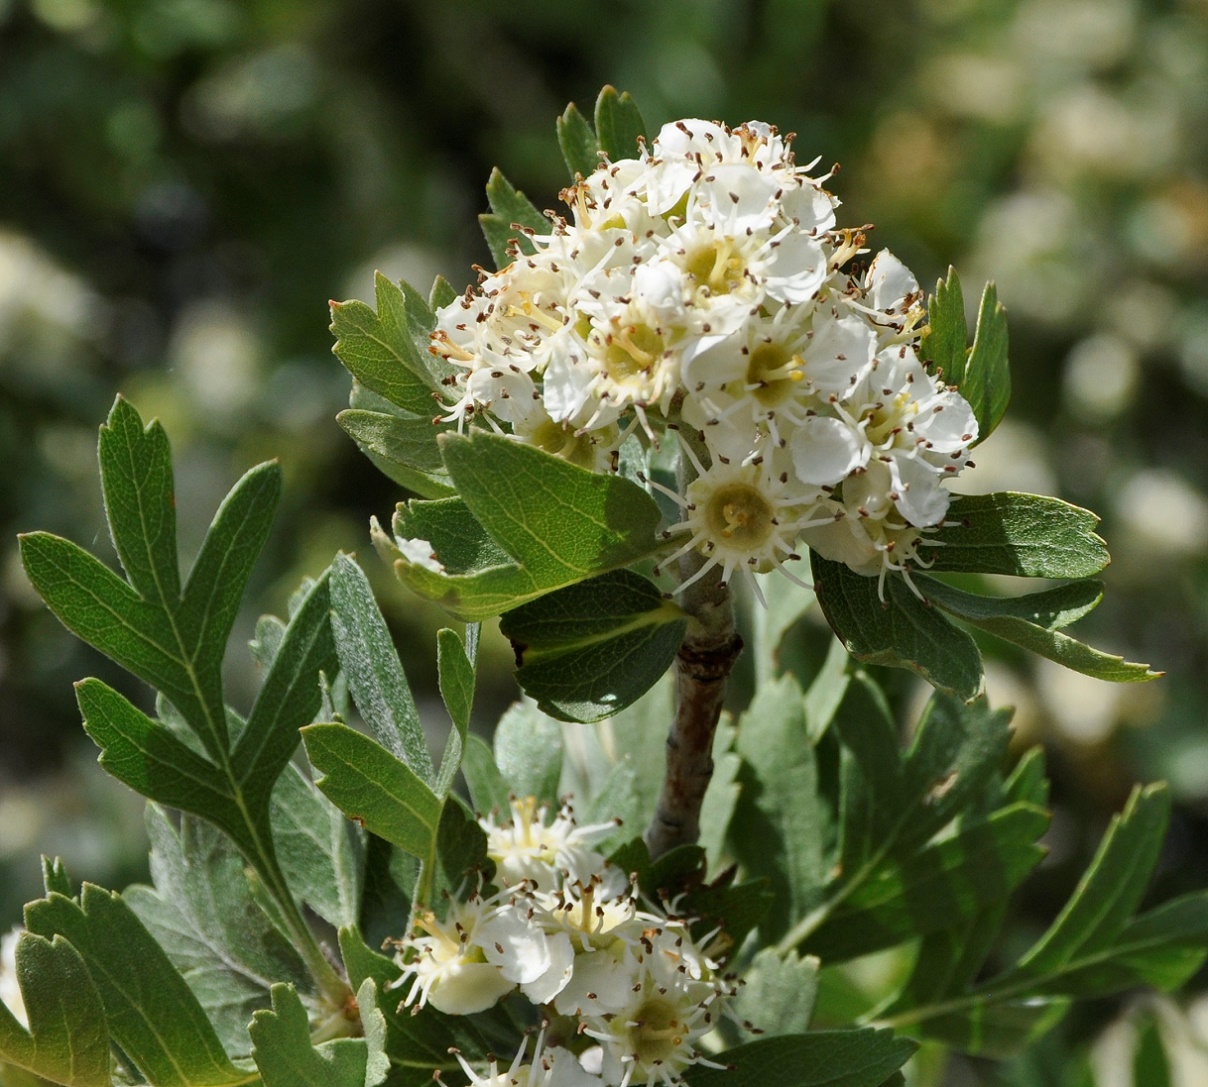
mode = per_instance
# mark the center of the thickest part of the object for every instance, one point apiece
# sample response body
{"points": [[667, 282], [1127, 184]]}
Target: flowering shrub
{"points": [[694, 375]]}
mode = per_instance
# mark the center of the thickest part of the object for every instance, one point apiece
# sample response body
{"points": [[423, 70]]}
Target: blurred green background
{"points": [[186, 182]]}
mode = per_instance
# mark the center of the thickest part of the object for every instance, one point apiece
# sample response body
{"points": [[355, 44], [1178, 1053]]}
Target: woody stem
{"points": [[711, 646]]}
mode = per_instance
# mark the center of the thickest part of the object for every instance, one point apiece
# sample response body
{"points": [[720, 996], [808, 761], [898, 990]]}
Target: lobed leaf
{"points": [[322, 854], [144, 755], [285, 1057], [67, 1040], [379, 349], [513, 217], [289, 697], [943, 883], [136, 982], [1109, 891], [140, 503], [577, 142], [619, 124], [777, 827], [778, 994], [203, 913]]}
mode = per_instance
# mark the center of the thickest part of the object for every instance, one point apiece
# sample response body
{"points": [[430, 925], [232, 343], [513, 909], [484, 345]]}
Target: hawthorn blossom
{"points": [[569, 937], [706, 284]]}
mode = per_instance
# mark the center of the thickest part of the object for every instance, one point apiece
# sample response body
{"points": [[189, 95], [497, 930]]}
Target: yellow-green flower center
{"points": [[738, 515]]}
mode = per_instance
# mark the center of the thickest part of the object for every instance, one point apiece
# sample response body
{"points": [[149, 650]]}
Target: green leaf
{"points": [[578, 142], [442, 294], [289, 697], [219, 576], [404, 449], [987, 379], [460, 848], [489, 790], [137, 982], [375, 676], [619, 124], [55, 877], [1027, 535], [953, 763], [455, 674], [950, 958], [68, 1038], [322, 854], [1161, 949], [824, 1058], [560, 522], [587, 651], [144, 755], [902, 632], [526, 523], [947, 332], [1012, 620], [140, 503], [203, 914], [1108, 892], [1052, 609], [373, 788], [285, 1057], [946, 881], [380, 351], [173, 641], [777, 828], [778, 994], [528, 752], [513, 218]]}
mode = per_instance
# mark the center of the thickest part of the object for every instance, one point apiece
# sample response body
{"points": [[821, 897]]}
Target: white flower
{"points": [[528, 849], [448, 967]]}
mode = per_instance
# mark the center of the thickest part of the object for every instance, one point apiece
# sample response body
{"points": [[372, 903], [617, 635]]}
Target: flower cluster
{"points": [[624, 993], [706, 285]]}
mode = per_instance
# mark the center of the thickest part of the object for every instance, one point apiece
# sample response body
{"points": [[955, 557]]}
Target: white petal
{"points": [[948, 424], [889, 282], [922, 498], [518, 947], [840, 352], [796, 269], [826, 451], [600, 985], [467, 987], [561, 963]]}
